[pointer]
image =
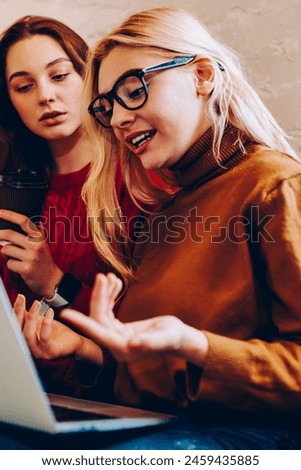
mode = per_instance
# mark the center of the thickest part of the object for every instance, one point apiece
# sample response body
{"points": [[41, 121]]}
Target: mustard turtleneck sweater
{"points": [[225, 258]]}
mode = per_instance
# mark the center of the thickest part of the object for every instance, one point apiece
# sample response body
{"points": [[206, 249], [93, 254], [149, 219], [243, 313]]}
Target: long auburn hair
{"points": [[30, 150], [169, 32]]}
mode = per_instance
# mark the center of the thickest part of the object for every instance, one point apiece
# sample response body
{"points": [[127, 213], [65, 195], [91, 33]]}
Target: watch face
{"points": [[68, 288], [65, 293]]}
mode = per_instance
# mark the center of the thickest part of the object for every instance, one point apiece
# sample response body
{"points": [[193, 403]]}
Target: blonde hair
{"points": [[169, 32]]}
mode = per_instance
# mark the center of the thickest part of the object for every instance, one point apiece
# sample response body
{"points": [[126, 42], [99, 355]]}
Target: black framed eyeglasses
{"points": [[130, 91]]}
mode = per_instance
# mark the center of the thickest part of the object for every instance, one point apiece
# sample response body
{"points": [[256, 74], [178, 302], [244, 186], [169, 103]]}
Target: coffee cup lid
{"points": [[22, 178]]}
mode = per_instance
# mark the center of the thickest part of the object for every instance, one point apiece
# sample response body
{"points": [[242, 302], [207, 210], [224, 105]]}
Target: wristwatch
{"points": [[65, 293]]}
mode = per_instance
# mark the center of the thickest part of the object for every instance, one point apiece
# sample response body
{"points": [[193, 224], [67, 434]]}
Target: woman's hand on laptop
{"points": [[48, 338]]}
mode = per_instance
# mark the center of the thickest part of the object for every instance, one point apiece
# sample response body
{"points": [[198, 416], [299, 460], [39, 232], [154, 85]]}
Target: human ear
{"points": [[204, 78]]}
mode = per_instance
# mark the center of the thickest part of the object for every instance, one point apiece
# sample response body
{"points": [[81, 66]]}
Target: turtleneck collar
{"points": [[199, 165]]}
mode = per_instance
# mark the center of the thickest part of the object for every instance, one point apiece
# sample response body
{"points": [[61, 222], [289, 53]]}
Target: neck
{"points": [[71, 153], [200, 164]]}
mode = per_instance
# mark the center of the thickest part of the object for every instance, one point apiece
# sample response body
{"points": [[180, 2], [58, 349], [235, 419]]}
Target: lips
{"points": [[140, 138], [51, 115]]}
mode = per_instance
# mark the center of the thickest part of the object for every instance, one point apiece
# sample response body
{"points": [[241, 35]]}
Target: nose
{"points": [[45, 93], [121, 117]]}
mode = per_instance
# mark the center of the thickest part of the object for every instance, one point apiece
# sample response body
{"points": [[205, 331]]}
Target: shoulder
{"points": [[266, 161], [274, 180], [267, 169]]}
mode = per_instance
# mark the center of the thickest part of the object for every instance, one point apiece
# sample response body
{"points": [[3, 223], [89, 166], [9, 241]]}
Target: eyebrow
{"points": [[123, 75], [23, 73]]}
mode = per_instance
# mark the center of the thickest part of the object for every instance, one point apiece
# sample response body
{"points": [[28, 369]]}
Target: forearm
{"points": [[89, 351], [250, 375], [52, 280], [88, 363]]}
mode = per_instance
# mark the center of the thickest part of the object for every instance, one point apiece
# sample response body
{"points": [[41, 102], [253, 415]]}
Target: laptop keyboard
{"points": [[68, 414]]}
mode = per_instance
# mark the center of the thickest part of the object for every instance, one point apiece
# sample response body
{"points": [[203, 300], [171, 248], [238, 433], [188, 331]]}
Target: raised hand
{"points": [[135, 340], [29, 255]]}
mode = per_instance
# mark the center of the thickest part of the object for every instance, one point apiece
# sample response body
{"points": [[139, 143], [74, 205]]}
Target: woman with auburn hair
{"points": [[42, 67], [210, 325], [4, 148]]}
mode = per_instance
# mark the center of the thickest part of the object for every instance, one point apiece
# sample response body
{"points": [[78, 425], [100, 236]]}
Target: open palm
{"points": [[126, 341]]}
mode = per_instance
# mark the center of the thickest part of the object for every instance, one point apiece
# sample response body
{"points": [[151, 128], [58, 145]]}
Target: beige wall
{"points": [[265, 32]]}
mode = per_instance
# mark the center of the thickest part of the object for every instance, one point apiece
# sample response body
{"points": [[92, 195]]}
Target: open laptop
{"points": [[23, 401]]}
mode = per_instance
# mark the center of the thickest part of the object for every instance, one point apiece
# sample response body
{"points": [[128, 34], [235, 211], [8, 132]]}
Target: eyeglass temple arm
{"points": [[177, 61]]}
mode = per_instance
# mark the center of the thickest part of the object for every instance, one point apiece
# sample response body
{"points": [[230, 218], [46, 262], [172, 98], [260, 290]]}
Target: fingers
{"points": [[99, 299], [37, 330], [11, 237], [99, 333], [114, 288], [20, 309], [24, 222], [46, 328], [104, 294], [31, 324], [87, 325], [13, 252]]}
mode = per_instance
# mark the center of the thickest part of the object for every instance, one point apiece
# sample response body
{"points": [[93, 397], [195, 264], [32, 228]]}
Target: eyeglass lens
{"points": [[129, 92]]}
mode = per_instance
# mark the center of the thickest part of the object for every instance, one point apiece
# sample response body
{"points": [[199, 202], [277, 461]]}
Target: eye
{"points": [[60, 77], [23, 88], [136, 94], [102, 110], [102, 106], [130, 89], [108, 114]]}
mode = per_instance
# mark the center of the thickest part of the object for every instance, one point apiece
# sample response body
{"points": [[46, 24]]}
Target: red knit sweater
{"points": [[65, 220]]}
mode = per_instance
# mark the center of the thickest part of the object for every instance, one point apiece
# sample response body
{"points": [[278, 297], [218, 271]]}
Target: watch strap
{"points": [[57, 300]]}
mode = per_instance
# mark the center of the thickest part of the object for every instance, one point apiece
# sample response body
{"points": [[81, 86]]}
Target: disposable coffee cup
{"points": [[24, 192]]}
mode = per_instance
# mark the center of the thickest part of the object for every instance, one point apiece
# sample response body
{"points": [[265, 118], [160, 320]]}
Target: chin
{"points": [[152, 166], [151, 163]]}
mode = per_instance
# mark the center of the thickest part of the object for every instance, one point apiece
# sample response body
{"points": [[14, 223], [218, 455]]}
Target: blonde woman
{"points": [[210, 325]]}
